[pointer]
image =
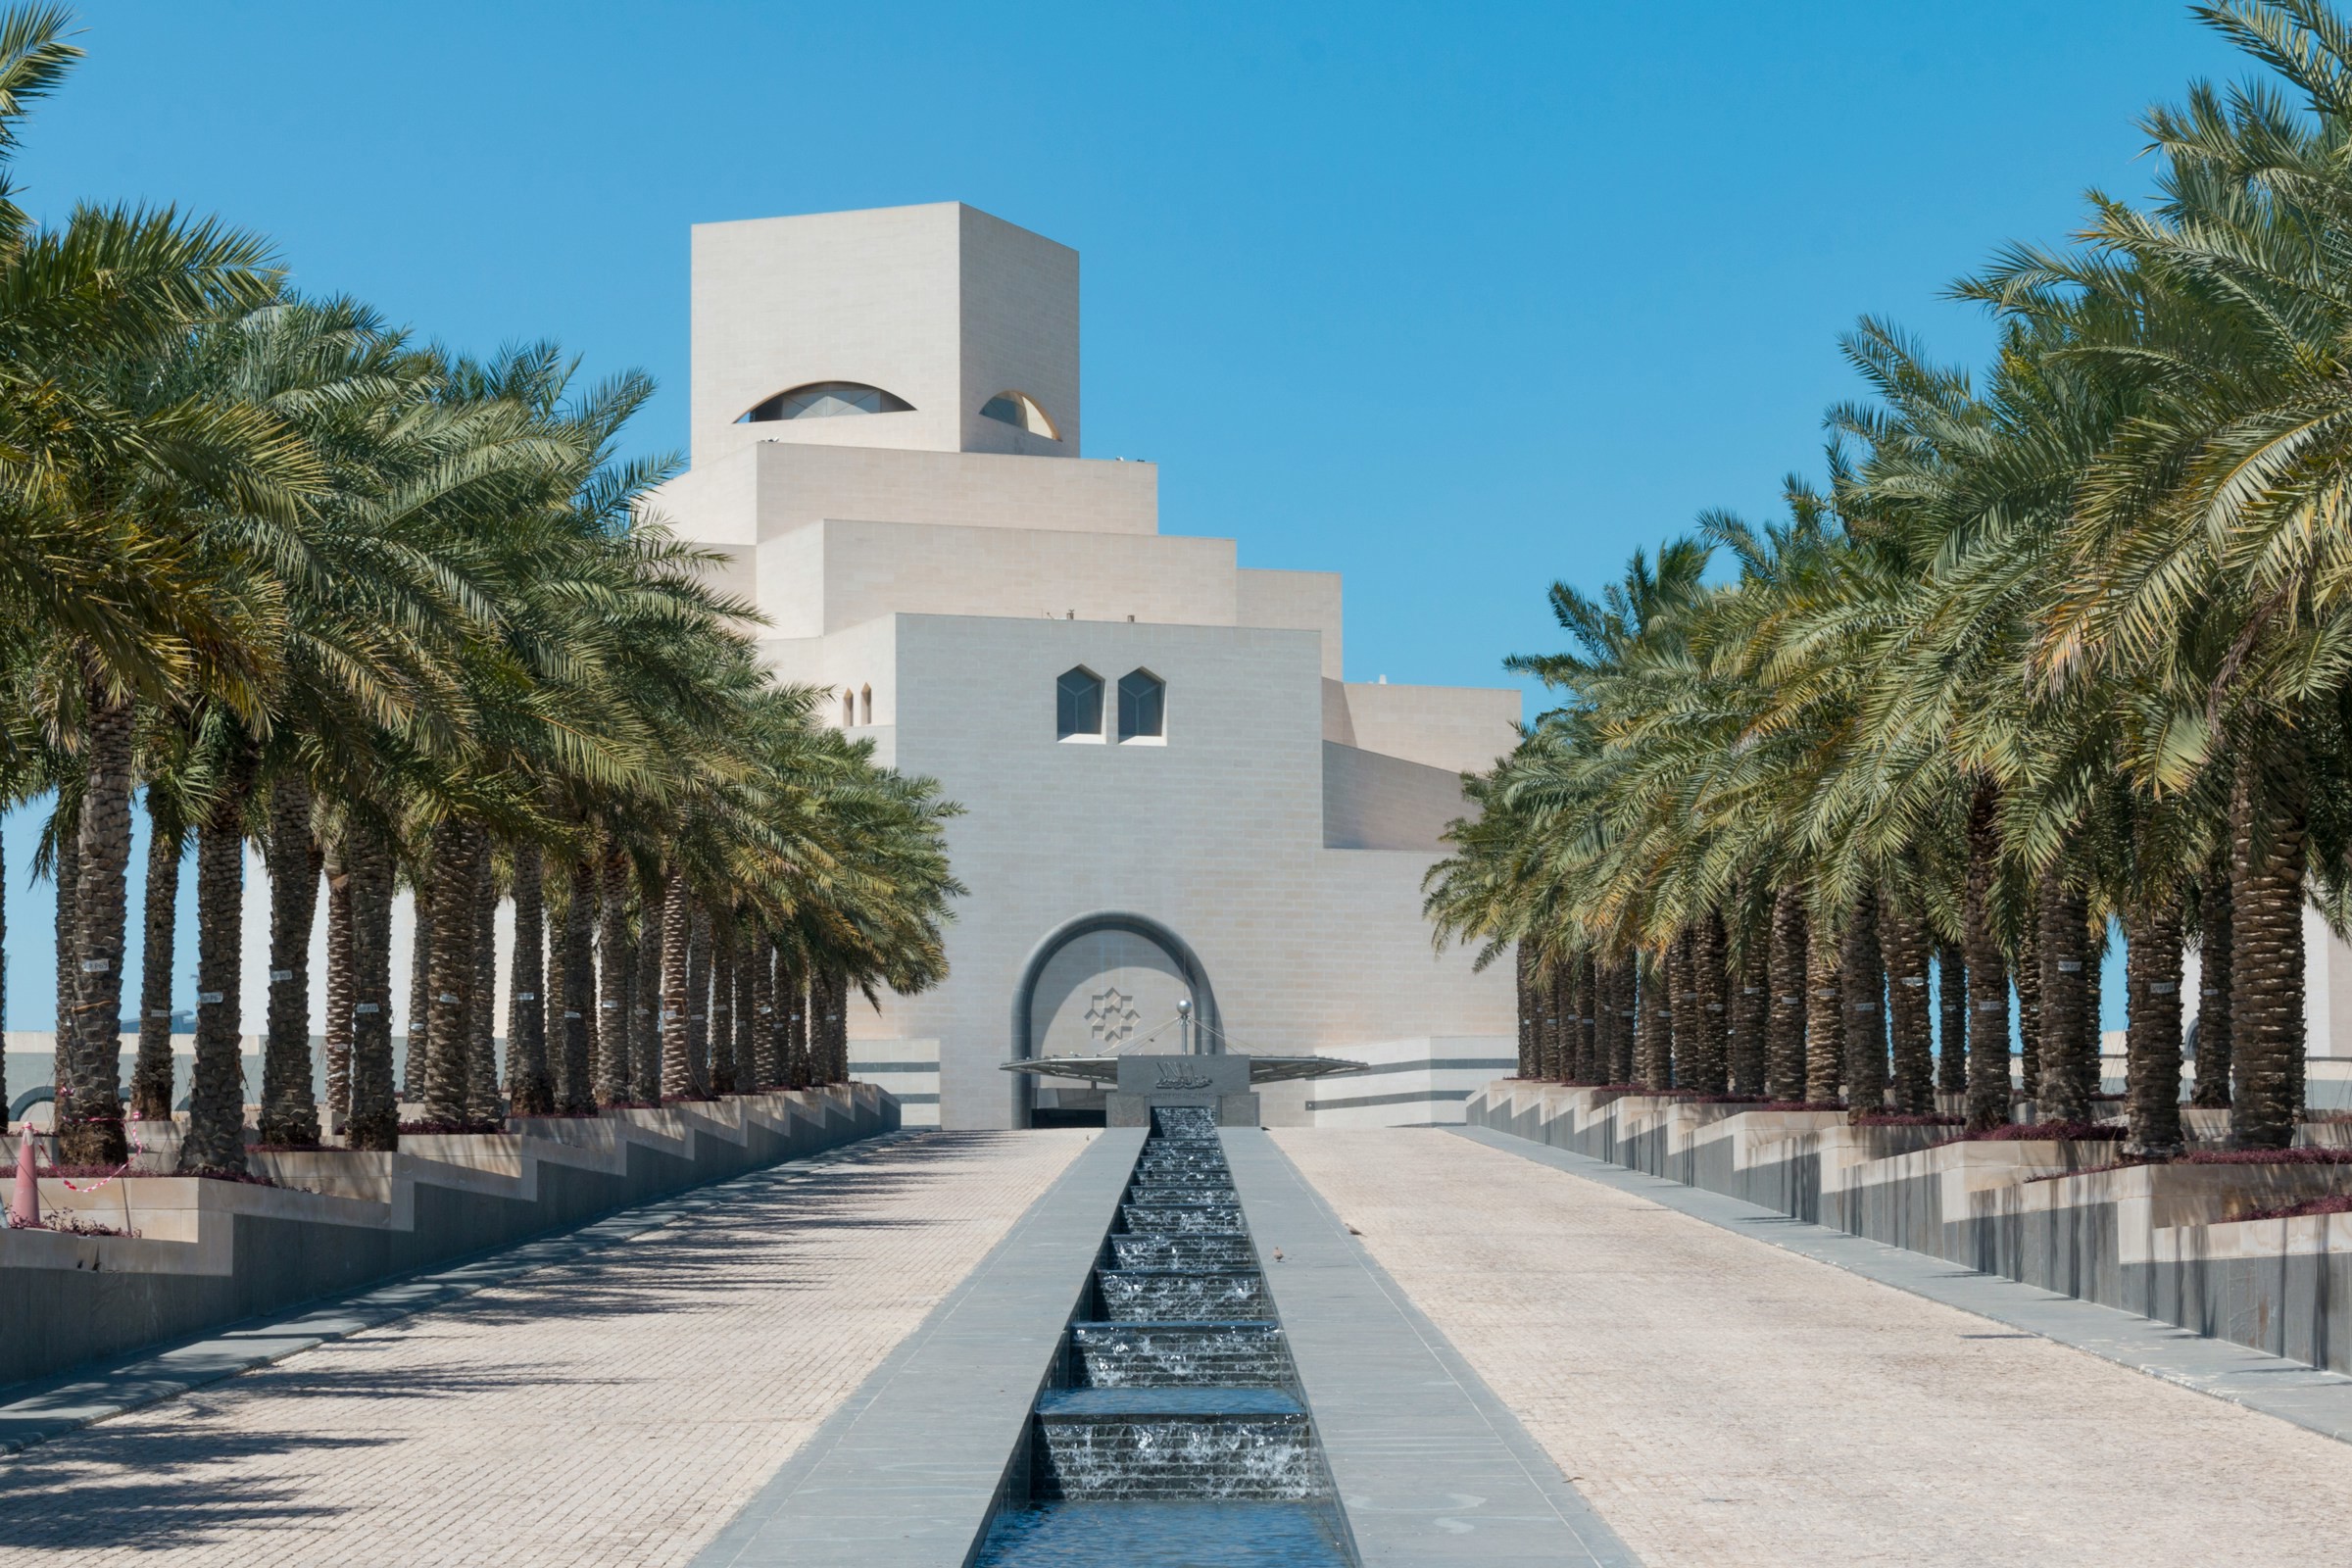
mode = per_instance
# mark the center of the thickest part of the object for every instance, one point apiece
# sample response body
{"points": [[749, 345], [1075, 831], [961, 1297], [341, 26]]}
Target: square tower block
{"points": [[933, 328]]}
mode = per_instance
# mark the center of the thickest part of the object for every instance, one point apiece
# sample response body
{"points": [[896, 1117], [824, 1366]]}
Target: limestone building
{"points": [[1170, 789]]}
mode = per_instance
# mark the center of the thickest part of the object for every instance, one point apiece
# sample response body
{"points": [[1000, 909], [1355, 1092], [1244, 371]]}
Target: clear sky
{"points": [[1454, 299]]}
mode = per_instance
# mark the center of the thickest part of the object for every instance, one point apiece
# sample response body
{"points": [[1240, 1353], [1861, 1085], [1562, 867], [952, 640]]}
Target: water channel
{"points": [[1172, 1432]]}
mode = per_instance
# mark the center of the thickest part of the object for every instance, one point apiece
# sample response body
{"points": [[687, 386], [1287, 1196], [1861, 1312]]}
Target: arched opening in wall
{"points": [[865, 704], [825, 400], [1103, 984], [1143, 706], [1020, 411], [848, 708], [1078, 705]]}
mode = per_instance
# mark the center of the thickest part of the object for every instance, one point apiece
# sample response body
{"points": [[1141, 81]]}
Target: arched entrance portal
{"points": [[1101, 983]]}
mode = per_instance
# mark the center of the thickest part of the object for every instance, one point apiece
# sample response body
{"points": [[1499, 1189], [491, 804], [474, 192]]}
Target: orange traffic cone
{"points": [[25, 1208]]}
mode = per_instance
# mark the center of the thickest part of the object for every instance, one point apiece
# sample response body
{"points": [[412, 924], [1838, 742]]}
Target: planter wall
{"points": [[211, 1252], [2168, 1241]]}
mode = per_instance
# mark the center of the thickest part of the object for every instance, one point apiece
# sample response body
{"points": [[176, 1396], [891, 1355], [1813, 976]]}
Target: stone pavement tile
{"points": [[1430, 1465], [1724, 1403], [907, 1471], [49, 1407], [616, 1408], [2307, 1395]]}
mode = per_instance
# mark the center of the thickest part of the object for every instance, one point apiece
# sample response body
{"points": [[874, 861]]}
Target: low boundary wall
{"points": [[2168, 1241], [211, 1252]]}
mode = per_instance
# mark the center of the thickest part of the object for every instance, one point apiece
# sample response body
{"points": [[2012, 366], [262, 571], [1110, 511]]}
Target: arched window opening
{"points": [[848, 708], [1078, 705], [826, 400], [1020, 411], [865, 704], [1142, 705]]}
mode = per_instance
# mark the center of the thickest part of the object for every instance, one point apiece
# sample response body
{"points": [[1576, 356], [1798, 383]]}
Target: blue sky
{"points": [[1456, 299]]}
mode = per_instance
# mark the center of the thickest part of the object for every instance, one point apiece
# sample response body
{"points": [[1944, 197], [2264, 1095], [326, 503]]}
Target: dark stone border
{"points": [[1432, 1468], [906, 1473]]}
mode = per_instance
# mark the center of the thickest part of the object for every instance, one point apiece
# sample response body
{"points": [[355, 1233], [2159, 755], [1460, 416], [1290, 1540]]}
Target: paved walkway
{"points": [[615, 1409], [1723, 1402]]}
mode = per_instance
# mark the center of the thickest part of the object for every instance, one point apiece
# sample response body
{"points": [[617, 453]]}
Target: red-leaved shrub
{"points": [[2267, 1157], [2334, 1204], [2036, 1132]]}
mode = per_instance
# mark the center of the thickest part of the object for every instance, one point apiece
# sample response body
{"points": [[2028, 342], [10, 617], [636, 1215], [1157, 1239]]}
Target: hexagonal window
{"points": [[1142, 705], [1078, 705]]}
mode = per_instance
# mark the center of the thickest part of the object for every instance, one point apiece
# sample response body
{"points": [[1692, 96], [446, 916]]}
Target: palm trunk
{"points": [[2152, 1045], [616, 963], [2267, 808], [2066, 1083], [645, 1070], [821, 1026], [340, 981], [1824, 1027], [1548, 1032], [677, 989], [1572, 1003], [1524, 962], [556, 1006], [448, 1044], [1686, 1029], [791, 997], [374, 1122], [1653, 1046], [89, 1124], [530, 1084], [482, 1102], [2212, 1092], [1988, 977], [2029, 974], [1751, 1009], [1784, 1024], [1903, 940], [724, 988], [580, 1014], [151, 1075], [1712, 1064], [419, 1048], [1862, 977], [1558, 1023], [215, 1135], [1589, 1070], [747, 1014], [697, 996], [289, 1109], [837, 1027], [66, 867], [768, 1008], [1951, 1005], [1621, 1061]]}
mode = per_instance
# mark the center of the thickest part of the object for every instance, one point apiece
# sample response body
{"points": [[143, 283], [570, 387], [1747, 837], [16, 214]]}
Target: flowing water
{"points": [[1174, 1434]]}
